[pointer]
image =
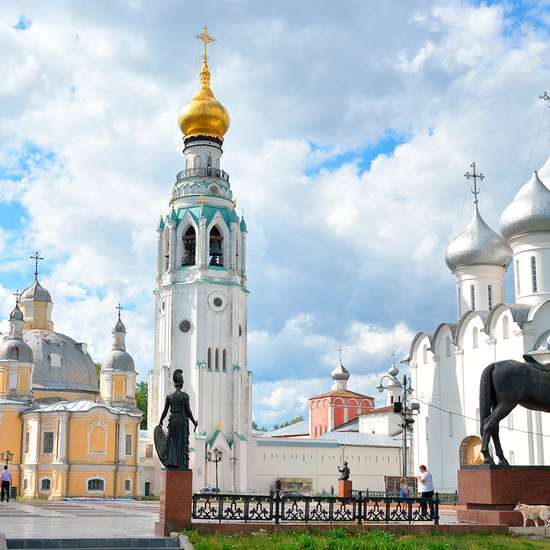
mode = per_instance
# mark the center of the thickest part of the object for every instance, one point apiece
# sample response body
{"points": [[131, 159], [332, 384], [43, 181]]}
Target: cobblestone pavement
{"points": [[97, 519]]}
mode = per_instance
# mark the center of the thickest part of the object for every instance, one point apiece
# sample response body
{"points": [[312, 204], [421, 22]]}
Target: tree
{"points": [[98, 370], [141, 402]]}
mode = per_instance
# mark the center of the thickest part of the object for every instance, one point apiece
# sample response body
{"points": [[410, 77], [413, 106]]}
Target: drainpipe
{"points": [[68, 441], [115, 478]]}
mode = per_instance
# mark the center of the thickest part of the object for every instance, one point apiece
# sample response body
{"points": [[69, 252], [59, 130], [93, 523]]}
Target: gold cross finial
{"points": [[205, 38]]}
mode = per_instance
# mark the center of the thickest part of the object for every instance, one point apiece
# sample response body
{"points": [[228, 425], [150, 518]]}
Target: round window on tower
{"points": [[240, 330], [216, 302], [185, 326], [213, 190]]}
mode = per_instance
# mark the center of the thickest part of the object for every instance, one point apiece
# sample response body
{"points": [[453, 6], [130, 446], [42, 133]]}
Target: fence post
{"points": [[387, 509], [277, 504], [359, 508], [409, 509], [220, 509], [436, 509]]}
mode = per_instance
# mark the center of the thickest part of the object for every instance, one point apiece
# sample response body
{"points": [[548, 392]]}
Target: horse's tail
{"points": [[487, 398]]}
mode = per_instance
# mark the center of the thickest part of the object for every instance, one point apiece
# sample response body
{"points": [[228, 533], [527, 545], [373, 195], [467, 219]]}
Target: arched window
{"points": [[447, 346], [189, 245], [224, 360], [472, 297], [209, 165], [534, 286], [475, 337], [166, 251], [216, 247], [505, 328], [209, 359], [96, 485], [216, 360], [425, 354], [196, 162], [490, 296], [187, 163]]}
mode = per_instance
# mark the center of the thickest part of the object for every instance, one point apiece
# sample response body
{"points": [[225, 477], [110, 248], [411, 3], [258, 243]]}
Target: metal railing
{"points": [[445, 498], [202, 172], [279, 508]]}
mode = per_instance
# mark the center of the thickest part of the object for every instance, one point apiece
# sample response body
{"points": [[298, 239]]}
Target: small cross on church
{"points": [[475, 176], [36, 259], [17, 295], [205, 38], [120, 307]]}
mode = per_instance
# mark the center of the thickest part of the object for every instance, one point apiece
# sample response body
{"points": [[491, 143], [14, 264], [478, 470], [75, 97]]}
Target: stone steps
{"points": [[104, 544]]}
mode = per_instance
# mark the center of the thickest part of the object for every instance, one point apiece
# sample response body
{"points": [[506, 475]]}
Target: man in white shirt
{"points": [[426, 490], [5, 476]]}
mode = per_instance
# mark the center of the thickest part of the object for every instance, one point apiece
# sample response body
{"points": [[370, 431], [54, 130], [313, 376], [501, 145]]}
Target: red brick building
{"points": [[334, 408]]}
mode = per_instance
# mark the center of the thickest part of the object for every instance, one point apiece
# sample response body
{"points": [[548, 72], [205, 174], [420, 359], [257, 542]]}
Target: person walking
{"points": [[403, 488], [426, 490], [6, 482]]}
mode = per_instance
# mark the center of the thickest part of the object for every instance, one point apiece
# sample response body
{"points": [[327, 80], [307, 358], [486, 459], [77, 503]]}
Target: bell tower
{"points": [[201, 294]]}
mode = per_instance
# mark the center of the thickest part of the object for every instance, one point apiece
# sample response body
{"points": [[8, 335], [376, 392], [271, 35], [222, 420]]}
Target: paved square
{"points": [[96, 519]]}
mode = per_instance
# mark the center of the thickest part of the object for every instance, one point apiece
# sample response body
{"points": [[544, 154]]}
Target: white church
{"points": [[446, 364], [201, 327]]}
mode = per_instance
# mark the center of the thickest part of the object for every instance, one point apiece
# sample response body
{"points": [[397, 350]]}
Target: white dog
{"points": [[534, 513]]}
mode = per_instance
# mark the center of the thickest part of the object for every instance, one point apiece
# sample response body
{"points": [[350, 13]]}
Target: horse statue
{"points": [[503, 386]]}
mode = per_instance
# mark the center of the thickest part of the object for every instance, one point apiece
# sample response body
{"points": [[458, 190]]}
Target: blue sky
{"points": [[347, 149]]}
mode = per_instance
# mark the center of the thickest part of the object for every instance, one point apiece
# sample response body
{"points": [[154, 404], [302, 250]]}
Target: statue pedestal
{"points": [[176, 501], [490, 493], [344, 488]]}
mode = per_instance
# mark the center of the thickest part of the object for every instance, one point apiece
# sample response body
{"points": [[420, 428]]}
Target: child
{"points": [[403, 489]]}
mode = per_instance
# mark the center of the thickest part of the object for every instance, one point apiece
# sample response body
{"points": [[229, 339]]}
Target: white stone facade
{"points": [[446, 366]]}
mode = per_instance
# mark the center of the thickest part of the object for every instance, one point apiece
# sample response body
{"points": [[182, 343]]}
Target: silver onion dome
{"points": [[529, 211], [340, 373], [478, 244], [36, 292]]}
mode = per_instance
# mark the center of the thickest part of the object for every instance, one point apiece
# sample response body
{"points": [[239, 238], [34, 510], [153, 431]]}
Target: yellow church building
{"points": [[70, 434]]}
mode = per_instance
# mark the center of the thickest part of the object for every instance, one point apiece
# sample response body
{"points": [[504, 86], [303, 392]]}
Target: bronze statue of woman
{"points": [[173, 450]]}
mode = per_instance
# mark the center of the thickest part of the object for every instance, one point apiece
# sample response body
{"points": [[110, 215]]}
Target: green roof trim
{"points": [[200, 435], [205, 211], [242, 437], [212, 440], [236, 367], [201, 364], [161, 224], [243, 226], [173, 216]]}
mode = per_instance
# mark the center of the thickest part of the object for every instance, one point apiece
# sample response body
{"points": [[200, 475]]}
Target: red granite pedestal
{"points": [[176, 501], [490, 493], [344, 488]]}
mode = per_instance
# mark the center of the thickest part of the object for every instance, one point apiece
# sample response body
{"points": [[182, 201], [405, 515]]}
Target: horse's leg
{"points": [[492, 426], [487, 432], [498, 447]]}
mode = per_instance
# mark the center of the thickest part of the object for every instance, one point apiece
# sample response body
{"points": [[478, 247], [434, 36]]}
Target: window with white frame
{"points": [[47, 443], [490, 296], [127, 485], [45, 484], [534, 286], [96, 485], [149, 451], [128, 444], [472, 297]]}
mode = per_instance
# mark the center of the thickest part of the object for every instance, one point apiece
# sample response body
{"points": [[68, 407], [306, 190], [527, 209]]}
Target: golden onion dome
{"points": [[204, 115]]}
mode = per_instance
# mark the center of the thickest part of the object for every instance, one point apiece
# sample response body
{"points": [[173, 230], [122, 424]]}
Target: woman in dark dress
{"points": [[177, 443]]}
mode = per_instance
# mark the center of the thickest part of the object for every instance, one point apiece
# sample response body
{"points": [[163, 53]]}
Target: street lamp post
{"points": [[215, 457], [6, 456], [401, 407]]}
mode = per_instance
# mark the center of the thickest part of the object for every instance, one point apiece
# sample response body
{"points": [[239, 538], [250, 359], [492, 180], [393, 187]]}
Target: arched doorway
{"points": [[470, 451]]}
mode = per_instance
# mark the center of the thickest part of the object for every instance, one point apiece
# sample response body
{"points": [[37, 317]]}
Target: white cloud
{"points": [[360, 251]]}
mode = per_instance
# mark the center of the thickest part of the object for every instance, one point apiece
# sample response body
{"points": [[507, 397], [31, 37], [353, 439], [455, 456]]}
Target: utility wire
{"points": [[477, 419]]}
